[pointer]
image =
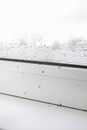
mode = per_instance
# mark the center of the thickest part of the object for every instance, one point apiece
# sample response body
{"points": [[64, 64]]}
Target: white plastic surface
{"points": [[20, 114], [66, 86]]}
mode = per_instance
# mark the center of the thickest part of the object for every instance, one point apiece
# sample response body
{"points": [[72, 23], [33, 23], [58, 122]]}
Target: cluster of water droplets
{"points": [[74, 51]]}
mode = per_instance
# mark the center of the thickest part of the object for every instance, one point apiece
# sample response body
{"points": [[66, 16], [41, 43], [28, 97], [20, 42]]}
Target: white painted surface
{"points": [[66, 86], [19, 114]]}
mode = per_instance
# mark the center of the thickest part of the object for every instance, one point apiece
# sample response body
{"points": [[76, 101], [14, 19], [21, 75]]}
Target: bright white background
{"points": [[60, 19]]}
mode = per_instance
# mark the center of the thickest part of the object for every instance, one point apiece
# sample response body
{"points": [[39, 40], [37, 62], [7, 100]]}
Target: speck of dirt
{"points": [[39, 86], [17, 66], [25, 93], [60, 104], [49, 105], [42, 71], [59, 67]]}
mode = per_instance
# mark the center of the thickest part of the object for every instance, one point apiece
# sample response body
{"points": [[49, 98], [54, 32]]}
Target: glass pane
{"points": [[44, 30]]}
